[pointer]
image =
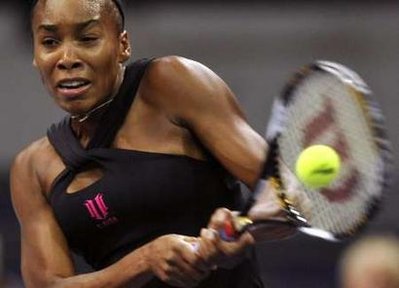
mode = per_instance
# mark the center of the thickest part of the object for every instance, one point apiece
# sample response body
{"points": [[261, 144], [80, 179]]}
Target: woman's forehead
{"points": [[68, 11]]}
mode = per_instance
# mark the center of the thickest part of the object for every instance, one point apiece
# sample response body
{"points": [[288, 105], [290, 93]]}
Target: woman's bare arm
{"points": [[195, 97], [46, 261]]}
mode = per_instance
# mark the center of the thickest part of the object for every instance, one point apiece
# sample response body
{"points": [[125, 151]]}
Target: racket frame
{"points": [[271, 168]]}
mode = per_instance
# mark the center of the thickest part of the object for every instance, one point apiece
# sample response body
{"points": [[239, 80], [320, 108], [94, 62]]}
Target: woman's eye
{"points": [[49, 42], [89, 39]]}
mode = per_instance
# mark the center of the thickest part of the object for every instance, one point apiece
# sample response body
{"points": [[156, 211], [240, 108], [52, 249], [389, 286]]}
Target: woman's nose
{"points": [[69, 59]]}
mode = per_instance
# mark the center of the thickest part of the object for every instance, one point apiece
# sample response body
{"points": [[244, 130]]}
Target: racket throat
{"points": [[293, 214]]}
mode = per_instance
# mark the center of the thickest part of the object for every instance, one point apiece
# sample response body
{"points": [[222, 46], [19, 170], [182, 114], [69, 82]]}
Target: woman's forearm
{"points": [[131, 271]]}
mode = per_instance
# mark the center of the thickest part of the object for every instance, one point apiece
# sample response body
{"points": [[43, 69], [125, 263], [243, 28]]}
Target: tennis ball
{"points": [[317, 166]]}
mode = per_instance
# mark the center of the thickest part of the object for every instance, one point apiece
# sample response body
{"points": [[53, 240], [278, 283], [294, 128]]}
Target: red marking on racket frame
{"points": [[319, 125]]}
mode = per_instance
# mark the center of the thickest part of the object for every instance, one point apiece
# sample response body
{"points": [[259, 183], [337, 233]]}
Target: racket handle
{"points": [[234, 228]]}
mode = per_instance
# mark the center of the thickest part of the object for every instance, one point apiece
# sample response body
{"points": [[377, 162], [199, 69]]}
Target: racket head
{"points": [[327, 103]]}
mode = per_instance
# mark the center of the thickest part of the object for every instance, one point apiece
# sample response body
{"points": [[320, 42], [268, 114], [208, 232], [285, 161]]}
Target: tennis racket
{"points": [[323, 103]]}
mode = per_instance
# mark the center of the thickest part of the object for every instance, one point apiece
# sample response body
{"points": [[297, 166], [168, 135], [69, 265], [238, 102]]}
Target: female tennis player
{"points": [[148, 152]]}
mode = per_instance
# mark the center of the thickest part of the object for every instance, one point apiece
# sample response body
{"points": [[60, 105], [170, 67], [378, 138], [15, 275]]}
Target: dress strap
{"points": [[114, 117], [67, 145], [63, 139]]}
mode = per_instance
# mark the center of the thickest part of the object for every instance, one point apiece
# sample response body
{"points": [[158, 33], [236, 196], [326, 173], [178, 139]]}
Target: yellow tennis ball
{"points": [[317, 166]]}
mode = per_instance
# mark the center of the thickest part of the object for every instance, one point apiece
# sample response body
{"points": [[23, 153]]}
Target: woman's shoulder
{"points": [[177, 68], [176, 80], [34, 157]]}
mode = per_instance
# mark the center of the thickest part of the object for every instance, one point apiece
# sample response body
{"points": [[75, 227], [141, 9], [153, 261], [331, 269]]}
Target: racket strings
{"points": [[344, 126], [348, 133]]}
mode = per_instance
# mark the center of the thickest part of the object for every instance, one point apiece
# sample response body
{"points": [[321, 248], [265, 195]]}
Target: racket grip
{"points": [[233, 229]]}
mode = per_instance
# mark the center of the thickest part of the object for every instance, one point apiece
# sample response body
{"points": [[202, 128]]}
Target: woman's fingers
{"points": [[174, 261]]}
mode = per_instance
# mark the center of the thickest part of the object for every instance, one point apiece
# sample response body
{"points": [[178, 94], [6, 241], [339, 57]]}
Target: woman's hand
{"points": [[269, 205], [175, 261], [217, 252]]}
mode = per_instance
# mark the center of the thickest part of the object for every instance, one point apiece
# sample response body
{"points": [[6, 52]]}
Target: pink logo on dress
{"points": [[97, 208]]}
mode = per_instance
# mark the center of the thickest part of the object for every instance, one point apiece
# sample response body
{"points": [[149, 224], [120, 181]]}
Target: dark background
{"points": [[253, 46]]}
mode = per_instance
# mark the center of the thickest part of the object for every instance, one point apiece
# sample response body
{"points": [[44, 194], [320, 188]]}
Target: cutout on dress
{"points": [[85, 178]]}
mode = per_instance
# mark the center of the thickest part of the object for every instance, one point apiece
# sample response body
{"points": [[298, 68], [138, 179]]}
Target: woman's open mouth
{"points": [[72, 88]]}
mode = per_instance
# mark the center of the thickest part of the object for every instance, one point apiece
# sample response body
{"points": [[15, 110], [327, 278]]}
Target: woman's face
{"points": [[78, 51]]}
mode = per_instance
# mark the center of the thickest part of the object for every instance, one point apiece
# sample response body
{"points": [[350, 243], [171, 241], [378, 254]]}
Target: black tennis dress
{"points": [[141, 195]]}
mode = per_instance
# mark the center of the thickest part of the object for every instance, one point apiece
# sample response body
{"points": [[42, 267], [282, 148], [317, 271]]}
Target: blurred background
{"points": [[254, 46]]}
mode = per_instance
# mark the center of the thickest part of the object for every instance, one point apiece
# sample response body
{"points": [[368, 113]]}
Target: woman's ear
{"points": [[125, 48]]}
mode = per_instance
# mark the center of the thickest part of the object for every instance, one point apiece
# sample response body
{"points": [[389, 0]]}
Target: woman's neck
{"points": [[84, 125]]}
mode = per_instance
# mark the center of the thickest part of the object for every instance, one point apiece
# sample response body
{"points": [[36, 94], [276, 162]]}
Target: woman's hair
{"points": [[117, 4]]}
